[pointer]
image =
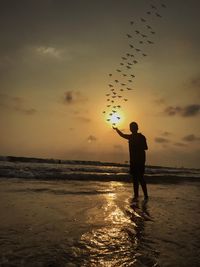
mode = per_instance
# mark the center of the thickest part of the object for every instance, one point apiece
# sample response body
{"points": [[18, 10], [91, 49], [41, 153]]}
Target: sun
{"points": [[115, 119]]}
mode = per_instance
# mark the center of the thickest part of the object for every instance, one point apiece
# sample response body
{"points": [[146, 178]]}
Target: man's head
{"points": [[133, 127]]}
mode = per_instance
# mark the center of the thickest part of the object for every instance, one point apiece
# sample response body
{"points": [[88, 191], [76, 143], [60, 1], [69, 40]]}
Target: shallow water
{"points": [[73, 223]]}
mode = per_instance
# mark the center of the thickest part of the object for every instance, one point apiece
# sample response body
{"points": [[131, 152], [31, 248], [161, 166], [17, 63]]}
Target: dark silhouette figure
{"points": [[137, 147]]}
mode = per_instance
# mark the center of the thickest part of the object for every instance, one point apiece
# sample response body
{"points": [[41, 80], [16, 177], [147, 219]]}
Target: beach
{"points": [[96, 223]]}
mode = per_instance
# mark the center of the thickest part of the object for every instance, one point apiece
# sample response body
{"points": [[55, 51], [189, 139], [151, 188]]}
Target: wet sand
{"points": [[73, 223]]}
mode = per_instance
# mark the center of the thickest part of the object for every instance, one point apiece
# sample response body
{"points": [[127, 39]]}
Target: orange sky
{"points": [[54, 76]]}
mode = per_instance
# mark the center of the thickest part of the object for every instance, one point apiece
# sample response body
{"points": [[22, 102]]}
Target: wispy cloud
{"points": [[73, 97], [49, 51], [160, 101], [161, 140], [16, 103], [195, 82], [191, 138], [186, 111], [166, 133], [179, 144], [91, 138]]}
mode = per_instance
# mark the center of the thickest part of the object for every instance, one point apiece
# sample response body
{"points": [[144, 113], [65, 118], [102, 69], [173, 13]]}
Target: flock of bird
{"points": [[122, 79]]}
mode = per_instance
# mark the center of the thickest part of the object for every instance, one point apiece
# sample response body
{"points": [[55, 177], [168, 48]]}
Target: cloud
{"points": [[49, 51], [160, 101], [180, 144], [191, 138], [193, 85], [195, 82], [91, 138], [166, 133], [26, 111], [16, 103], [73, 97], [161, 140], [187, 111]]}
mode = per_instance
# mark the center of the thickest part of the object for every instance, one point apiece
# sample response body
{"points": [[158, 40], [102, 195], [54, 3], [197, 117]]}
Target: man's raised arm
{"points": [[126, 136]]}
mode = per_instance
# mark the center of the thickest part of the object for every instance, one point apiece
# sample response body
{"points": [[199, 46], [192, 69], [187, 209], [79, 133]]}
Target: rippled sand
{"points": [[96, 224]]}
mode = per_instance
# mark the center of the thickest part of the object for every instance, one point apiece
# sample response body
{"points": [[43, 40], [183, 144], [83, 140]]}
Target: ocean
{"points": [[73, 213], [15, 167]]}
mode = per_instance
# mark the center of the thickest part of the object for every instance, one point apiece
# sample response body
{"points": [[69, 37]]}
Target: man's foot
{"points": [[134, 199]]}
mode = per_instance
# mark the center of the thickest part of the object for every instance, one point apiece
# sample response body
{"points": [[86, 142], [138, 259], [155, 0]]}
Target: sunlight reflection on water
{"points": [[121, 241]]}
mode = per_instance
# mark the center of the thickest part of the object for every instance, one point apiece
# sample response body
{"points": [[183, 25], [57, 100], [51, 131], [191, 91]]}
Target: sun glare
{"points": [[115, 119]]}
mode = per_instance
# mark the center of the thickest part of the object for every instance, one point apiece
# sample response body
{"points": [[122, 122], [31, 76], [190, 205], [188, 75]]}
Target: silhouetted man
{"points": [[137, 147]]}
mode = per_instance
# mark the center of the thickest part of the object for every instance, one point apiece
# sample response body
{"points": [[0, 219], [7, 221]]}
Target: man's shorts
{"points": [[136, 169]]}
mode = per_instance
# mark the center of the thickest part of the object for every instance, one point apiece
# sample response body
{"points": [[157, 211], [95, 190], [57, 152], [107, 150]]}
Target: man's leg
{"points": [[135, 186], [143, 184]]}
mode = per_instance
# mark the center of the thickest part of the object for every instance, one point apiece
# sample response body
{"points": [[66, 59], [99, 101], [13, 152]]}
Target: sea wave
{"points": [[87, 171]]}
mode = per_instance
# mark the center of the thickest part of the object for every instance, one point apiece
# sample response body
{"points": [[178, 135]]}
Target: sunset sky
{"points": [[55, 60]]}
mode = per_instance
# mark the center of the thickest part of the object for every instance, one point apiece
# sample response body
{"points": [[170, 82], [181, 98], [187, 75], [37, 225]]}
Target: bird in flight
{"points": [[158, 15], [128, 35], [154, 7], [143, 20], [150, 42]]}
